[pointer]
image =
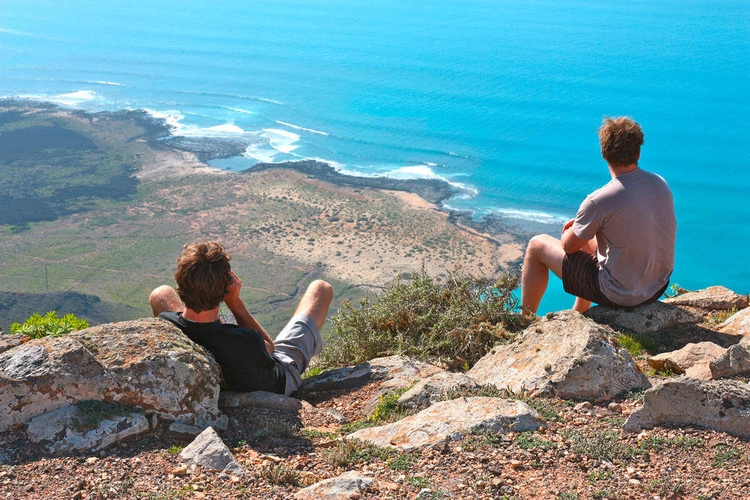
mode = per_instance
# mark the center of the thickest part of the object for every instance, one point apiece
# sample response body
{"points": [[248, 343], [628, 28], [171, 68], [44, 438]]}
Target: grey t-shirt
{"points": [[632, 217]]}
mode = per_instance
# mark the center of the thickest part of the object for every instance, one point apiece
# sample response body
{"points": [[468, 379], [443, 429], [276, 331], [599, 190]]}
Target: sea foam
{"points": [[297, 127]]}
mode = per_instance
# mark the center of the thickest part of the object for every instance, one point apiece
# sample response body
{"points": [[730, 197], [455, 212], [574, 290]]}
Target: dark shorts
{"points": [[580, 277]]}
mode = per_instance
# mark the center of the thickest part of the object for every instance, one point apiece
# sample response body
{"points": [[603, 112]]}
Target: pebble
{"points": [[180, 470]]}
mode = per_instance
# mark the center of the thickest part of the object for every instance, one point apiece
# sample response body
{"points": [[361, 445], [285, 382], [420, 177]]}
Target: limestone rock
{"points": [[713, 298], [260, 399], [689, 357], [734, 362], [349, 485], [147, 363], [67, 430], [209, 451], [644, 319], [563, 355], [388, 368], [737, 324], [8, 342], [721, 405], [394, 372], [429, 390], [451, 420]]}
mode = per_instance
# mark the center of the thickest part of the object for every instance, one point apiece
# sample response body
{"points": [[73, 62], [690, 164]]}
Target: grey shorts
{"points": [[295, 346]]}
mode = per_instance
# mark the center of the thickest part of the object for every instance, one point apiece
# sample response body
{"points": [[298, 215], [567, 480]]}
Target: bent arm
{"points": [[572, 243], [241, 315]]}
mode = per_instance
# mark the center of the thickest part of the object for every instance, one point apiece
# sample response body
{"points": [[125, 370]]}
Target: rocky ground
{"points": [[583, 453]]}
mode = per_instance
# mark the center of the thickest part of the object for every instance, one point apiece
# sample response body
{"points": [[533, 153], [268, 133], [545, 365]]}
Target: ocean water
{"points": [[501, 98]]}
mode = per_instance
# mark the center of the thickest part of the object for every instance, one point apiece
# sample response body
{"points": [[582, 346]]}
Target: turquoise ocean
{"points": [[501, 98]]}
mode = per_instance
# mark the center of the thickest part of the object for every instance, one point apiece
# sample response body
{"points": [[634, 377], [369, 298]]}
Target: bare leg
{"points": [[315, 302], [165, 298], [581, 305], [544, 253]]}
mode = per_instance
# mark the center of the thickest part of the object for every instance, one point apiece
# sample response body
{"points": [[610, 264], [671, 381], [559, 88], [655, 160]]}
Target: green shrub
{"points": [[455, 321], [49, 325]]}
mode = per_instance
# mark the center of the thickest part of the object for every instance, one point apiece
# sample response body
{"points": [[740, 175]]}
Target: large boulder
{"points": [[147, 363], [644, 319], [737, 324], [431, 389], [734, 362], [86, 426], [721, 405], [692, 360], [713, 298], [564, 355], [392, 373], [392, 368], [8, 342], [452, 420]]}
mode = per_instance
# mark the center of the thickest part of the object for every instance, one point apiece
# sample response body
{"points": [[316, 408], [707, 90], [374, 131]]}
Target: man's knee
{"points": [[321, 289], [164, 298], [539, 245]]}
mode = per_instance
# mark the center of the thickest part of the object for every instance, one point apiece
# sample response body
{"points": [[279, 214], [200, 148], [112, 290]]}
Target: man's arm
{"points": [[572, 243], [242, 315]]}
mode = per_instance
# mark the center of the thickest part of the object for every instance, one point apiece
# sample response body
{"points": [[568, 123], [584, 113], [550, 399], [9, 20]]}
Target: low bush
{"points": [[49, 325], [455, 321]]}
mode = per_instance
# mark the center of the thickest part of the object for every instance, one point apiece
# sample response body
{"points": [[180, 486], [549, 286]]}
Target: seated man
{"points": [[619, 250], [249, 359]]}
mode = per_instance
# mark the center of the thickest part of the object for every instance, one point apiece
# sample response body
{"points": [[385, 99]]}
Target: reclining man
{"points": [[249, 359], [619, 250]]}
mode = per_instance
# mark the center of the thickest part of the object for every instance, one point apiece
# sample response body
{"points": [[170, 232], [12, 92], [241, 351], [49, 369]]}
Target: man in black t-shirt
{"points": [[250, 360]]}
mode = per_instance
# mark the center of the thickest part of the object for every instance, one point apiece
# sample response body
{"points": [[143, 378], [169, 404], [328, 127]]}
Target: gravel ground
{"points": [[583, 454]]}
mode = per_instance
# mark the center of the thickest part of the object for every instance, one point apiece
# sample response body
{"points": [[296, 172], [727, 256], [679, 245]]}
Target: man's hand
{"points": [[570, 242], [233, 290], [568, 225]]}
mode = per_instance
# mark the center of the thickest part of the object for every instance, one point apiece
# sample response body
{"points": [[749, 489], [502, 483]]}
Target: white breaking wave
{"points": [[297, 127], [227, 130], [240, 110], [336, 165], [281, 140], [261, 152], [530, 215], [105, 82], [71, 99], [8, 31]]}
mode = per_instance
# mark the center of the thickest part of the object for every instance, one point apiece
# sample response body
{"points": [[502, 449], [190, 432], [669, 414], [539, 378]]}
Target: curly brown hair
{"points": [[621, 139], [203, 275]]}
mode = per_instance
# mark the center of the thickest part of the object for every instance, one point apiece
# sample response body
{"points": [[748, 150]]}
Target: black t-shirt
{"points": [[245, 363]]}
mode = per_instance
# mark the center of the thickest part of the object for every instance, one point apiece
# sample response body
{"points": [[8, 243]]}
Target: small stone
{"points": [[91, 460], [180, 470]]}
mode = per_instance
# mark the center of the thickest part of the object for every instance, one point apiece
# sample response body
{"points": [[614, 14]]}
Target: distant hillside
{"points": [[17, 307]]}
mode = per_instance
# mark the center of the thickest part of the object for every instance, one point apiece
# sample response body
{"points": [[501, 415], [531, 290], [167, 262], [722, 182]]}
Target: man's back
{"points": [[241, 353], [633, 220]]}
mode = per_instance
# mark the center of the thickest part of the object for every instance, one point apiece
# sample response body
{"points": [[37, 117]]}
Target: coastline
{"points": [[165, 155], [162, 156]]}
